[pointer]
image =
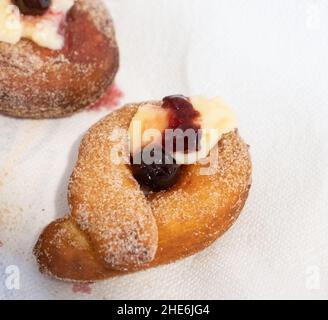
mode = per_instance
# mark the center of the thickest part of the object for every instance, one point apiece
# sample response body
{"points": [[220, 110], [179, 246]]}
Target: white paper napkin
{"points": [[268, 59]]}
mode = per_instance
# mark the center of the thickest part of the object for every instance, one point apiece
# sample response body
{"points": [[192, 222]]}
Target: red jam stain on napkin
{"points": [[82, 288], [109, 100], [1, 243]]}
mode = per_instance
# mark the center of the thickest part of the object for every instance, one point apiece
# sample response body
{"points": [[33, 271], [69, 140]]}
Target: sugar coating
{"points": [[107, 202], [38, 82], [231, 177], [118, 228], [99, 17]]}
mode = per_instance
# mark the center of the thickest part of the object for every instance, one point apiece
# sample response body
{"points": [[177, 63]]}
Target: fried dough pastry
{"points": [[114, 228], [37, 82]]}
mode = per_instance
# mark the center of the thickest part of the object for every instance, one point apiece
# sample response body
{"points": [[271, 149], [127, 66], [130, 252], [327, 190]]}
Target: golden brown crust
{"points": [[37, 82], [113, 228]]}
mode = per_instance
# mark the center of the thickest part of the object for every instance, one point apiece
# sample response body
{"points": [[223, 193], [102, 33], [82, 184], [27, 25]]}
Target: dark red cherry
{"points": [[33, 7], [157, 175]]}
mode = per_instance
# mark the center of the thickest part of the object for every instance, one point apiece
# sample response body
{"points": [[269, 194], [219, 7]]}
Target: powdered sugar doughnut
{"points": [[36, 82], [114, 228]]}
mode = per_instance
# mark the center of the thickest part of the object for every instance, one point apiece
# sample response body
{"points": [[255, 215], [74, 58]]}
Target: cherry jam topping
{"points": [[154, 167], [158, 173], [33, 7], [183, 116]]}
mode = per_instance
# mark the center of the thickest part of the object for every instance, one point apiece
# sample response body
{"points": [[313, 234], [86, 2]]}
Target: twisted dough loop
{"points": [[107, 203], [113, 228]]}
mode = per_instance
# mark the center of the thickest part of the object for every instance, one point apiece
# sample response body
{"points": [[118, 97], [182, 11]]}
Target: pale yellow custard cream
{"points": [[43, 30], [215, 119]]}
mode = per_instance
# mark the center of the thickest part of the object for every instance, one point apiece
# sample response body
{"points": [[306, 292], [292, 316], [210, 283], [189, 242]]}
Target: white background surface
{"points": [[268, 59]]}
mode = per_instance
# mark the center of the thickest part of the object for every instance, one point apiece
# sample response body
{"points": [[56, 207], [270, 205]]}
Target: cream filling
{"points": [[150, 121], [43, 30], [216, 119]]}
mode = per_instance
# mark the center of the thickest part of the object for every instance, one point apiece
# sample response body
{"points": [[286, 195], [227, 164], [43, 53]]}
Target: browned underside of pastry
{"points": [[37, 82], [113, 228]]}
